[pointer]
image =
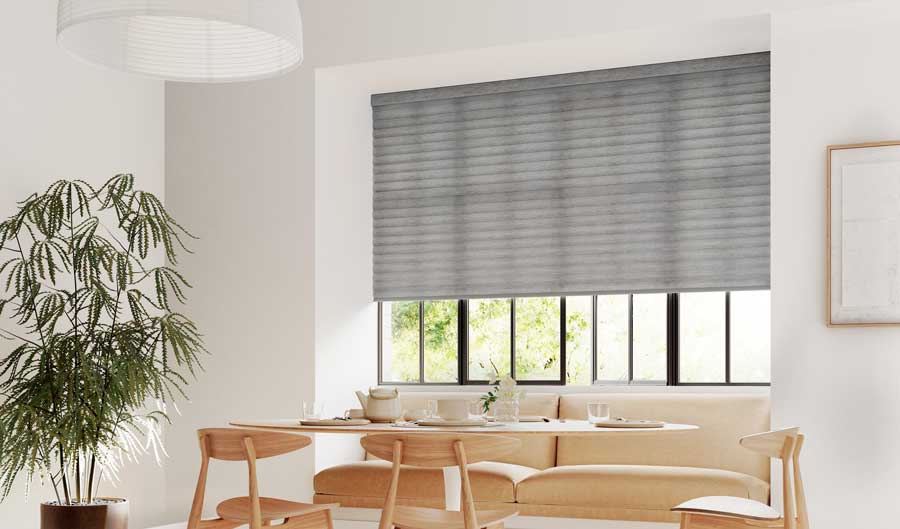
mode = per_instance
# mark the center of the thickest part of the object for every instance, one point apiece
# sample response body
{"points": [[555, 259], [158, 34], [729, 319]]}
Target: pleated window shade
{"points": [[650, 178]]}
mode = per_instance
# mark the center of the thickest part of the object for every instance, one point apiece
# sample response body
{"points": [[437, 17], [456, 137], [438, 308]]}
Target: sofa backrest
{"points": [[536, 452], [722, 418]]}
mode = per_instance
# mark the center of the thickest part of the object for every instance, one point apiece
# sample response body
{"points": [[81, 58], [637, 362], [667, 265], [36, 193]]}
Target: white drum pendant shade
{"points": [[185, 40]]}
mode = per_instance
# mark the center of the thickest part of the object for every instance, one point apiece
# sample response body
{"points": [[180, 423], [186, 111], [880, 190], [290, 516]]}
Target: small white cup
{"points": [[313, 410], [453, 409], [597, 412]]}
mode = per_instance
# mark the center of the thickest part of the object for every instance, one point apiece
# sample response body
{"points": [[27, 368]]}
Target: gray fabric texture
{"points": [[650, 178]]}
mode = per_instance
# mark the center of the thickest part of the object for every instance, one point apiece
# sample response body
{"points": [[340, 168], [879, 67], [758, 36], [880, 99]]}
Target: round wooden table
{"points": [[452, 482]]}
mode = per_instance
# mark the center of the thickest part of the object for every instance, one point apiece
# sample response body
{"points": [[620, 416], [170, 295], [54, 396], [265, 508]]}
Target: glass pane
{"points": [[650, 334], [578, 340], [750, 336], [490, 338], [537, 339], [701, 334], [400, 345], [612, 338], [441, 344]]}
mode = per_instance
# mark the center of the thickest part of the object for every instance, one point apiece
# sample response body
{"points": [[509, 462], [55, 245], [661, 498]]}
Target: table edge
{"points": [[363, 430]]}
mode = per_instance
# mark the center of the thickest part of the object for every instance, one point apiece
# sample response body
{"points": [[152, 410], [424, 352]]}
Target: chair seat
{"points": [[633, 486], [495, 482], [238, 509], [729, 506], [416, 517]]}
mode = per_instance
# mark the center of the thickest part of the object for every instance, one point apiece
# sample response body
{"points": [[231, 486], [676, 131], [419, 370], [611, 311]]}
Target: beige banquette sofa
{"points": [[615, 477]]}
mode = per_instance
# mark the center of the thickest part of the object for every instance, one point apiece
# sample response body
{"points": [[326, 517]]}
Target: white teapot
{"points": [[381, 404]]}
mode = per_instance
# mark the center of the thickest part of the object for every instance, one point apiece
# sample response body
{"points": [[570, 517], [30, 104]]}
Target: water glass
{"points": [[313, 410], [431, 409], [597, 412], [476, 409]]}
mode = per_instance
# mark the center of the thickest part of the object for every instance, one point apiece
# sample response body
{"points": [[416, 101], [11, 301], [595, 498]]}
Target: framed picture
{"points": [[863, 234]]}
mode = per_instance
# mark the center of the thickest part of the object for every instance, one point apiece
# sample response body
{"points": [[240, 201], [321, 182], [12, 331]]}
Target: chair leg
{"points": [[685, 520]]}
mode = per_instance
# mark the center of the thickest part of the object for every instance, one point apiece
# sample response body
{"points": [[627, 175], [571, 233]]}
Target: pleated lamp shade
{"points": [[185, 40]]}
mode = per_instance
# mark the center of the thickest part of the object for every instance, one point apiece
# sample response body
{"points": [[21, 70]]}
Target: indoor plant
{"points": [[97, 348], [503, 398]]}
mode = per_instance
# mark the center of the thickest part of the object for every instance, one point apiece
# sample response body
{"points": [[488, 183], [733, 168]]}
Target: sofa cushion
{"points": [[722, 418], [537, 451], [632, 487], [494, 482]]}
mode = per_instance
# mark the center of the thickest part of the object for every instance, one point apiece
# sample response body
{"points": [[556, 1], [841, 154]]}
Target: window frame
{"points": [[673, 310]]}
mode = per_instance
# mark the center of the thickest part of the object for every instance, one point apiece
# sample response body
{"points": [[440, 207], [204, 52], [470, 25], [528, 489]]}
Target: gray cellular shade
{"points": [[650, 178]]}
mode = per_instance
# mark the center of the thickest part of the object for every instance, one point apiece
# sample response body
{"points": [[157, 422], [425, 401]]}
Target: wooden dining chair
{"points": [[727, 512], [438, 451], [233, 444]]}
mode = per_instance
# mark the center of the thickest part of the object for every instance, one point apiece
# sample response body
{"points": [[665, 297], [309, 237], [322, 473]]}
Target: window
{"points": [[703, 338]]}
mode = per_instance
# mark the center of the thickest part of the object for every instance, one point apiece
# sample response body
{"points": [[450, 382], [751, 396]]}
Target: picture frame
{"points": [[862, 234]]}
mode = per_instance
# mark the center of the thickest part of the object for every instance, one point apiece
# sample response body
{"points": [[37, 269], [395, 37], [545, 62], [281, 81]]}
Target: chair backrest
{"points": [[432, 451], [228, 444], [785, 444], [770, 444], [236, 444], [438, 450]]}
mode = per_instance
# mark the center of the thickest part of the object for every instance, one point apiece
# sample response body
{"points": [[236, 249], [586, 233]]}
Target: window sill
{"points": [[624, 388]]}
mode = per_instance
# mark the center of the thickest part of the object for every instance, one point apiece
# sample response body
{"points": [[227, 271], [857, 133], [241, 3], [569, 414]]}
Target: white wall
{"points": [[63, 119], [237, 176], [835, 80]]}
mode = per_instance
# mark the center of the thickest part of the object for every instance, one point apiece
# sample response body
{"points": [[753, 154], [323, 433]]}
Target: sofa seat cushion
{"points": [[634, 486], [495, 482]]}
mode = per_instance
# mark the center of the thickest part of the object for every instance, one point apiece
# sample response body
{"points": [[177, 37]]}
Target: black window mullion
{"points": [[673, 339], [421, 342], [380, 344], [512, 337], [563, 375], [728, 337], [630, 338], [462, 342]]}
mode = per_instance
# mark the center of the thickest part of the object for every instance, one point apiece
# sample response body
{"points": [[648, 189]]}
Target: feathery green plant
{"points": [[95, 335]]}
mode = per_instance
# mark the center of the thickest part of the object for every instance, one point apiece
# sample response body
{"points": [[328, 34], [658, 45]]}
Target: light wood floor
{"points": [[521, 522]]}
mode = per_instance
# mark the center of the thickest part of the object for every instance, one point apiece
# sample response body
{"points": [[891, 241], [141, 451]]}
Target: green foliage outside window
{"points": [[537, 340]]}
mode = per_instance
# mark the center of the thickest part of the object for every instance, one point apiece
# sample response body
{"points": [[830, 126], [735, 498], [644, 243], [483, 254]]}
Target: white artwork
{"points": [[864, 254]]}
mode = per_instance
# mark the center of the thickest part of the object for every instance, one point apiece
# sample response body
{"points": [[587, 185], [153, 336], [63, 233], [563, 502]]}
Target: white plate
{"points": [[526, 418], [334, 422], [629, 423], [444, 422]]}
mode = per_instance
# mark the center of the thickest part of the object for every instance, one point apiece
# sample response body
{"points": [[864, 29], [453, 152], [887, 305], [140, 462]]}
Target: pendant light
{"points": [[185, 40]]}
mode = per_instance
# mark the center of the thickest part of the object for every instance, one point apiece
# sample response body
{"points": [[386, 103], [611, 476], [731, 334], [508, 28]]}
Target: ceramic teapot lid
{"points": [[383, 393]]}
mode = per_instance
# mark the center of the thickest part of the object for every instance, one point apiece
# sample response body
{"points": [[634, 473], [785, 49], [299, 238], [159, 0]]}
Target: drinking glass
{"points": [[431, 409], [313, 410], [597, 412], [476, 411]]}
